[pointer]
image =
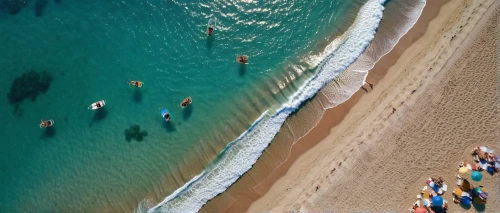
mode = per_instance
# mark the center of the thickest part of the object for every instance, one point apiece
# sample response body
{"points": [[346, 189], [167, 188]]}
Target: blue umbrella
{"points": [[466, 200], [437, 200], [476, 176]]}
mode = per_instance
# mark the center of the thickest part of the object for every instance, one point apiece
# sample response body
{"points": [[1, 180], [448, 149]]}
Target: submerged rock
{"points": [[134, 132], [12, 6], [29, 85], [39, 6]]}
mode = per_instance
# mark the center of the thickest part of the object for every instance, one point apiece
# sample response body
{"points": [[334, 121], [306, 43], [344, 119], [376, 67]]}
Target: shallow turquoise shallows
{"points": [[93, 48]]}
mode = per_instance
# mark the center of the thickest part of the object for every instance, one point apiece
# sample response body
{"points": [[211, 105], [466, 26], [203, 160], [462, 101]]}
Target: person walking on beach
{"points": [[364, 89]]}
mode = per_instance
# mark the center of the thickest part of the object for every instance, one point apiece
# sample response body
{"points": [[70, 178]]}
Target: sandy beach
{"points": [[434, 99]]}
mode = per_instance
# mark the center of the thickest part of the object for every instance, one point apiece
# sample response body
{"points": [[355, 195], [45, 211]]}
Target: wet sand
{"points": [[347, 167]]}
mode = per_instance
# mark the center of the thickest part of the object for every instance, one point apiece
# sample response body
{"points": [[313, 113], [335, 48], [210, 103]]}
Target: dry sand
{"points": [[445, 88]]}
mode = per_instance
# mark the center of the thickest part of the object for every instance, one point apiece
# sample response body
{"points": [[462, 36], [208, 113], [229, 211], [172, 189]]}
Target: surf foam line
{"points": [[402, 16], [240, 155]]}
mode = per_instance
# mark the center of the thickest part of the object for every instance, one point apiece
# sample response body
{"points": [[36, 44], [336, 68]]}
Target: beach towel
{"points": [[426, 198], [486, 149], [491, 170], [469, 166], [483, 164]]}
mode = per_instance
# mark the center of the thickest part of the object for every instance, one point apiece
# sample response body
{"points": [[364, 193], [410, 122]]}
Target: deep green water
{"points": [[92, 48]]}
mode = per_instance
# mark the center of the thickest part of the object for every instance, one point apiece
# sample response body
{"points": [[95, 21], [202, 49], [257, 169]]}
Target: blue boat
{"points": [[165, 114]]}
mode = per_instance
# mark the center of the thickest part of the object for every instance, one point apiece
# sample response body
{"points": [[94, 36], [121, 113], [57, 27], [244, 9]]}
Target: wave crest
{"points": [[239, 155]]}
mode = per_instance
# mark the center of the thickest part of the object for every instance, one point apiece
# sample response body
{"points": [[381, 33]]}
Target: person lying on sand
{"points": [[482, 155], [490, 157], [493, 167], [438, 181]]}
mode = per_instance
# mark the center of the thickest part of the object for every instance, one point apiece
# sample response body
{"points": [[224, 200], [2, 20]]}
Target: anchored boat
{"points": [[136, 83], [186, 102], [165, 114], [242, 59], [46, 123], [97, 105]]}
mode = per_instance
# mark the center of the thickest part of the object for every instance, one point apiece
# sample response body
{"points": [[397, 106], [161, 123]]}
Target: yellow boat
{"points": [[136, 83], [186, 102]]}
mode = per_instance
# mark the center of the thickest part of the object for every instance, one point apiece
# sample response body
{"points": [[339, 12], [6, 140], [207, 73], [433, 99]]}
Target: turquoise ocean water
{"points": [[92, 48]]}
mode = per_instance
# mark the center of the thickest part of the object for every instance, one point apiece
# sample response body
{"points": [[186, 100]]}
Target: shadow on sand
{"points": [[465, 206], [99, 115], [137, 96], [479, 207], [49, 132]]}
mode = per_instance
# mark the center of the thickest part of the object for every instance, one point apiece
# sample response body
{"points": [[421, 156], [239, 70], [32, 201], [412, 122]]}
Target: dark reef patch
{"points": [[12, 6], [39, 6], [134, 132], [29, 85]]}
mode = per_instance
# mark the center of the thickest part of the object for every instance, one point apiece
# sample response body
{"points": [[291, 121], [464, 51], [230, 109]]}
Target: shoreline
{"points": [[334, 116], [276, 187]]}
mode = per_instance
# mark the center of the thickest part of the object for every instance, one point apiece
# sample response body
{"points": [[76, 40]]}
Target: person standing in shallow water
{"points": [[364, 89], [371, 85]]}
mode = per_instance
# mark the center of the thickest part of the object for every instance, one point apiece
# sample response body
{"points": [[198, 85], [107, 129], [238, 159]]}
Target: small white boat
{"points": [[97, 105], [211, 26], [46, 123]]}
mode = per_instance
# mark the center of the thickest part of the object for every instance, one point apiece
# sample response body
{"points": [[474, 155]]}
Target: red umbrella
{"points": [[420, 210]]}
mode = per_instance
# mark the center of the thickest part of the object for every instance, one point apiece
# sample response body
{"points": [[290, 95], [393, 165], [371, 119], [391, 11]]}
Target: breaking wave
{"points": [[239, 155]]}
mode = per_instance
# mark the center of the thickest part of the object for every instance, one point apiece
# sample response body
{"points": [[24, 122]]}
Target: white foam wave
{"points": [[241, 154]]}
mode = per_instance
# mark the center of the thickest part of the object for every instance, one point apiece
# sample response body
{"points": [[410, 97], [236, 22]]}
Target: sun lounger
{"points": [[436, 188], [444, 188]]}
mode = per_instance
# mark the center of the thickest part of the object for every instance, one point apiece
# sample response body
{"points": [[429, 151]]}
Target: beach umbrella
{"points": [[481, 193], [478, 200], [476, 176], [463, 170], [437, 200], [420, 210], [466, 200]]}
